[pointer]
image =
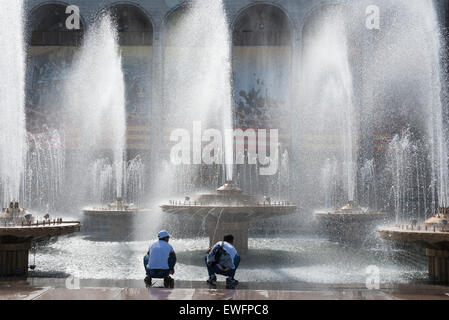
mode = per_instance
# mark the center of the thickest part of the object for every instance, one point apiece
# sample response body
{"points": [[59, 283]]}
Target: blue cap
{"points": [[163, 234]]}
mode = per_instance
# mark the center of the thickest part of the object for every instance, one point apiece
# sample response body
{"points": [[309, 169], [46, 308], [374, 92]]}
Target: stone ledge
{"points": [[40, 231]]}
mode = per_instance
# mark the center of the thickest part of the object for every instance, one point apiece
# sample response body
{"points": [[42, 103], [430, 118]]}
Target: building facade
{"points": [[267, 43], [268, 38]]}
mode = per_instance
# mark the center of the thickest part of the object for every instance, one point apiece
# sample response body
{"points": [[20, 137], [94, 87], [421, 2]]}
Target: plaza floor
{"points": [[71, 289]]}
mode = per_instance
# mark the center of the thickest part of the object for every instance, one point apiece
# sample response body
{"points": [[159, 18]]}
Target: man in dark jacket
{"points": [[220, 265]]}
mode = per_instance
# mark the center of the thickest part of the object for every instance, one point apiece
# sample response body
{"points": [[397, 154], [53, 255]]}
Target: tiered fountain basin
{"points": [[113, 222], [350, 223], [116, 208], [18, 230], [432, 235], [229, 211]]}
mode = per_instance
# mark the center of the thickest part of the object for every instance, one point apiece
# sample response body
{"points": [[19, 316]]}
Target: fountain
{"points": [[118, 218], [100, 122], [201, 94], [197, 86], [97, 71], [330, 91], [349, 224], [18, 228], [45, 170], [433, 235], [103, 186], [422, 38], [12, 110], [229, 211]]}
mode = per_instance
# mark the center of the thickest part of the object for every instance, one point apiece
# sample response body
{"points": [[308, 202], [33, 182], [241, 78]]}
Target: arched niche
{"points": [[173, 20], [47, 24], [135, 35], [51, 48], [262, 25], [262, 69], [262, 55], [134, 25]]}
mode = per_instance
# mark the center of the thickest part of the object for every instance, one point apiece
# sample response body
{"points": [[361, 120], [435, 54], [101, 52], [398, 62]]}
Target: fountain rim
{"points": [[348, 214], [40, 230], [112, 213], [174, 206], [394, 233]]}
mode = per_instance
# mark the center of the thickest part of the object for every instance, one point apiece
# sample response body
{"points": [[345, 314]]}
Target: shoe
{"points": [[232, 281], [148, 280], [212, 280], [169, 282]]}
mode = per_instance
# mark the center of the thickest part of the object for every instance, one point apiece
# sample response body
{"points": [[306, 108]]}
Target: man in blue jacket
{"points": [[160, 260]]}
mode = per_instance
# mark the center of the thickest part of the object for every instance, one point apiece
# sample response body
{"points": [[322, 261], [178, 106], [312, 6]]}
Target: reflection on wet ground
{"points": [[70, 289]]}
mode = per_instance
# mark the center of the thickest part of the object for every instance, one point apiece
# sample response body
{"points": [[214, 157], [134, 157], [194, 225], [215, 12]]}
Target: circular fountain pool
{"points": [[304, 259]]}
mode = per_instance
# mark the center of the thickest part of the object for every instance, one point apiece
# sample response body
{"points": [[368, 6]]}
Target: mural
{"points": [[262, 87], [137, 67], [47, 71]]}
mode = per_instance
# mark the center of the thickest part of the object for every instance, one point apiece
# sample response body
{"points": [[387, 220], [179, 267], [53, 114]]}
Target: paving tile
{"points": [[81, 294], [55, 289]]}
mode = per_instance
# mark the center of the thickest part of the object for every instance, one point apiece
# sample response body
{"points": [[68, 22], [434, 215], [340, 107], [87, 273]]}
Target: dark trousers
{"points": [[158, 273], [212, 270]]}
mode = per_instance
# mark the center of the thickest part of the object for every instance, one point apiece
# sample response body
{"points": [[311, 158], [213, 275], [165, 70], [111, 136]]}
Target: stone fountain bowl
{"points": [[231, 203], [16, 241], [434, 232], [351, 215], [233, 211], [111, 212], [429, 238], [435, 240], [40, 230], [350, 212], [116, 208]]}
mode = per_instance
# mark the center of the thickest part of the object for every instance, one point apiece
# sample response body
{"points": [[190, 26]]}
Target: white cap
{"points": [[163, 234]]}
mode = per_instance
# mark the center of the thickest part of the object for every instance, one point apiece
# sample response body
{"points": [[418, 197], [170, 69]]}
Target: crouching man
{"points": [[160, 260], [223, 259]]}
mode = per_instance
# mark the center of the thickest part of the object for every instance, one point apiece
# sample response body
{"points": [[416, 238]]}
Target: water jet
{"points": [[229, 211]]}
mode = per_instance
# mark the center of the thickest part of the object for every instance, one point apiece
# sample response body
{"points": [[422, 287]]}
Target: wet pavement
{"points": [[73, 289]]}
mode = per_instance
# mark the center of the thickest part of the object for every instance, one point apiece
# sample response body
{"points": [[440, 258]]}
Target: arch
{"points": [[262, 24], [134, 23], [170, 19], [173, 12], [315, 12], [47, 24], [313, 19], [262, 47]]}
